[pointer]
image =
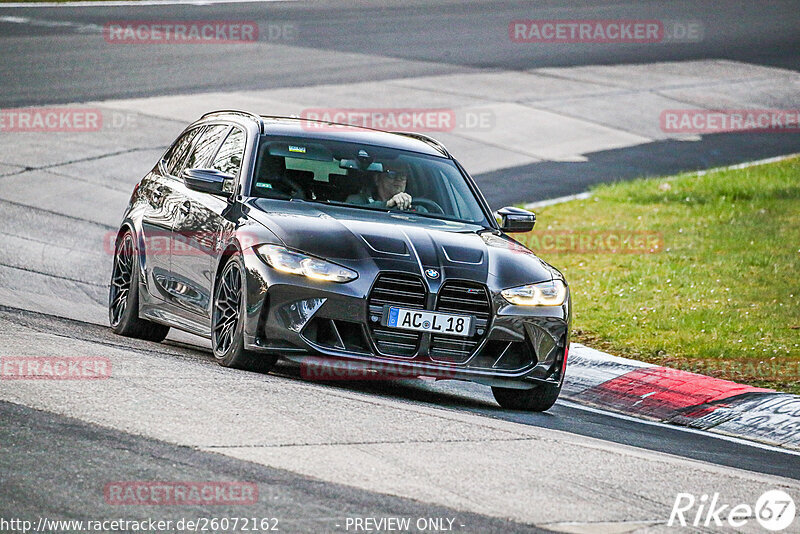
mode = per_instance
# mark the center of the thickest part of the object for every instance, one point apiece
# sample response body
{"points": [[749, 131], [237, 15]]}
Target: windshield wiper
{"points": [[357, 206], [435, 216]]}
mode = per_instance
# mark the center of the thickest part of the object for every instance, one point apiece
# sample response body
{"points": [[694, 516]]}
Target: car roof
{"points": [[313, 129]]}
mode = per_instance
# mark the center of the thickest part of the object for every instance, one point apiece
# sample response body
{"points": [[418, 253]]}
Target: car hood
{"points": [[399, 242]]}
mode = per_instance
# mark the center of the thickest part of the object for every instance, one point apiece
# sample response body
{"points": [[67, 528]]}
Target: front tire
{"points": [[123, 296], [227, 322], [537, 399]]}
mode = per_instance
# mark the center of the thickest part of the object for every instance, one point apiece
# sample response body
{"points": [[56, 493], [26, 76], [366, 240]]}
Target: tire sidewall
{"points": [[132, 303], [236, 349]]}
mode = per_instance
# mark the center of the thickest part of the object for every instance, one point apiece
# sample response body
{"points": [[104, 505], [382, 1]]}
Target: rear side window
{"points": [[176, 154], [206, 146], [229, 157]]}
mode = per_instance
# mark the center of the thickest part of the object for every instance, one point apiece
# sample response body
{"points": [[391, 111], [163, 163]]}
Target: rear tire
{"points": [[538, 399], [123, 296], [227, 322]]}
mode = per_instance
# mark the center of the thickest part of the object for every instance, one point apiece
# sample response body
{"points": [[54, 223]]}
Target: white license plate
{"points": [[427, 321]]}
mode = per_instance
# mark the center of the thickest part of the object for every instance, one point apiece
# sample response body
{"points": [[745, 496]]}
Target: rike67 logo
{"points": [[774, 511]]}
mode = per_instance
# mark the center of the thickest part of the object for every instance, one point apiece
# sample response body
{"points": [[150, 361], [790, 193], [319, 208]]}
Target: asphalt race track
{"points": [[47, 64], [321, 453]]}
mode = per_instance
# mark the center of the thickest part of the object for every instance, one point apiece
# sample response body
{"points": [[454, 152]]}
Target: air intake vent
{"points": [[336, 334], [395, 289], [464, 298], [504, 355]]}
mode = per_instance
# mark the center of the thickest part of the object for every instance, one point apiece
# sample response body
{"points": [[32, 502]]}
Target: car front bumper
{"points": [[315, 322]]}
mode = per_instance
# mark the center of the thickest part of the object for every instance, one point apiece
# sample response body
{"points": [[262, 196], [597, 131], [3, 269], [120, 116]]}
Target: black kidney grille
{"points": [[395, 289], [464, 298]]}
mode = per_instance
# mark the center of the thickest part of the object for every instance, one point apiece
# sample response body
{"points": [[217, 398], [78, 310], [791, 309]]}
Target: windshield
{"points": [[363, 176]]}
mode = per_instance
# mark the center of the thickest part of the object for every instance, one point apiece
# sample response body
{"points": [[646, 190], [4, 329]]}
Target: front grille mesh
{"points": [[464, 298], [395, 289]]}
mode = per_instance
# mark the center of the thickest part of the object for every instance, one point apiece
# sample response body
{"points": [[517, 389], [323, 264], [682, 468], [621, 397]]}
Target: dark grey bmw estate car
{"points": [[283, 237]]}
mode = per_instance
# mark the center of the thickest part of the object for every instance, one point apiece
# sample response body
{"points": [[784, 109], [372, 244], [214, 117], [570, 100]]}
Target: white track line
{"points": [[80, 27], [558, 200], [746, 164], [134, 3], [706, 433]]}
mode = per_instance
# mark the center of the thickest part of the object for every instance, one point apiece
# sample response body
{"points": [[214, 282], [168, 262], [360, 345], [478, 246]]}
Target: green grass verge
{"points": [[722, 297]]}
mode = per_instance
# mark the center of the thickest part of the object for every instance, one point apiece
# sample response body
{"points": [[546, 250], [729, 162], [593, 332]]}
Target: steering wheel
{"points": [[430, 205], [295, 189]]}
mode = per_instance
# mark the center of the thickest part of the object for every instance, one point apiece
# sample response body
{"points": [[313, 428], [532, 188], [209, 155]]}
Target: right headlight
{"points": [[550, 293], [290, 261]]}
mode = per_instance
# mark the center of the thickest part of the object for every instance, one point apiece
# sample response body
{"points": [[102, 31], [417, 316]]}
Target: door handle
{"points": [[185, 208]]}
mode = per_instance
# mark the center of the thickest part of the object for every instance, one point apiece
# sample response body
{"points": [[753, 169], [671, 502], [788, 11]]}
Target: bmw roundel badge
{"points": [[432, 273]]}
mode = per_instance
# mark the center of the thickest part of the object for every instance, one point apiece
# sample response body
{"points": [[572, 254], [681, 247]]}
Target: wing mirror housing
{"points": [[516, 220], [209, 181]]}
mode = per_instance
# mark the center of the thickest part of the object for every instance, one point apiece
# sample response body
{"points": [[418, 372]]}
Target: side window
{"points": [[176, 154], [229, 157], [205, 147]]}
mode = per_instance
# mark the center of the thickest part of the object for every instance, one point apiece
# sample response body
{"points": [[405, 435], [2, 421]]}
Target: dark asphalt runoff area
{"points": [[45, 64], [64, 479], [56, 59], [55, 466]]}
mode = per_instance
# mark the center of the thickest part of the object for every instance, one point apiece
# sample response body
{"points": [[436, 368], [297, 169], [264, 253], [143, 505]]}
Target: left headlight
{"points": [[289, 261], [550, 293]]}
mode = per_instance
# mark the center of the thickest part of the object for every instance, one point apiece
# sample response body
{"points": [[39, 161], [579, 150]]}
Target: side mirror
{"points": [[514, 220], [208, 181]]}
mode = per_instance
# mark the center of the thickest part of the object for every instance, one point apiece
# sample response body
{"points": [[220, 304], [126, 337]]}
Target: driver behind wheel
{"points": [[388, 190]]}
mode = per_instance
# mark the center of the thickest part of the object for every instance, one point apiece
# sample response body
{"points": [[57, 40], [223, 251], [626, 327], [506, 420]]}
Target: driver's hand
{"points": [[401, 201]]}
